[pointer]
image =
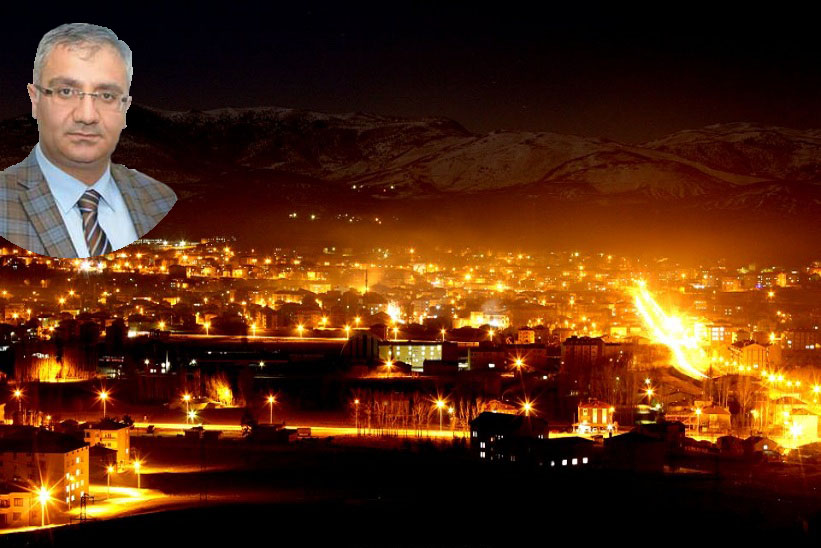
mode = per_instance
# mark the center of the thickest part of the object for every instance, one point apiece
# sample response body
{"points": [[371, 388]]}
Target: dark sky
{"points": [[629, 76]]}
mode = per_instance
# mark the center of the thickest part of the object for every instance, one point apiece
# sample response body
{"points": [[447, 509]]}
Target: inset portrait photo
{"points": [[66, 199]]}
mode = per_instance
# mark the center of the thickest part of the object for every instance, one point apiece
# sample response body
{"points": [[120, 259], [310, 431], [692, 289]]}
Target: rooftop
{"points": [[29, 439]]}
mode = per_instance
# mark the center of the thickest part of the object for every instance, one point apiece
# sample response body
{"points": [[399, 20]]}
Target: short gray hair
{"points": [[80, 34]]}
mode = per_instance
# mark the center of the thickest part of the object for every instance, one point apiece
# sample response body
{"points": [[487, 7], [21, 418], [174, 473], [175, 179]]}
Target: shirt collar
{"points": [[68, 190]]}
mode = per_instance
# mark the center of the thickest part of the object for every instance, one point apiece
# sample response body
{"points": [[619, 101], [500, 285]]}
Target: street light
{"points": [[348, 331], [698, 419], [207, 327], [443, 334], [109, 470], [137, 465], [395, 333], [357, 320], [490, 334], [440, 404], [388, 365], [19, 395], [356, 414], [271, 401], [191, 416], [104, 398], [187, 399], [527, 407], [43, 495], [299, 329]]}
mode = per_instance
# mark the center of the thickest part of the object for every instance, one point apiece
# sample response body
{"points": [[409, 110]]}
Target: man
{"points": [[67, 199]]}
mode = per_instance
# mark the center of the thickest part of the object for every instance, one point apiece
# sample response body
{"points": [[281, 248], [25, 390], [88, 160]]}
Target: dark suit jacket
{"points": [[30, 218]]}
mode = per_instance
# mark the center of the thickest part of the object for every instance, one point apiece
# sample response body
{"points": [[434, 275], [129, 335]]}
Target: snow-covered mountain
{"points": [[354, 166]]}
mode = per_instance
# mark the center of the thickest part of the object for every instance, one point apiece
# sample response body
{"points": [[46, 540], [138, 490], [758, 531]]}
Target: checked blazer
{"points": [[30, 218]]}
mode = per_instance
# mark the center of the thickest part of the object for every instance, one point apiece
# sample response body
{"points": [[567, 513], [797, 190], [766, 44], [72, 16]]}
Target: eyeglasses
{"points": [[109, 101]]}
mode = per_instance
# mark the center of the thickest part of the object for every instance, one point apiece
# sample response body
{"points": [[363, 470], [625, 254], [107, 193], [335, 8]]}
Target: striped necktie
{"points": [[95, 237]]}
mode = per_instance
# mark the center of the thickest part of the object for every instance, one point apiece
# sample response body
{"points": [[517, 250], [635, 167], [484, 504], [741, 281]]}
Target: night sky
{"points": [[628, 76]]}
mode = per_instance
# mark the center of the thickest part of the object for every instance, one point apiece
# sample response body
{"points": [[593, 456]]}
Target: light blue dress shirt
{"points": [[112, 212]]}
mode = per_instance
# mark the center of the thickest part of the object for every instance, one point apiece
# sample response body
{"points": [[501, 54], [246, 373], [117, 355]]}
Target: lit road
{"points": [[124, 501], [260, 338], [316, 431], [323, 431], [129, 501]]}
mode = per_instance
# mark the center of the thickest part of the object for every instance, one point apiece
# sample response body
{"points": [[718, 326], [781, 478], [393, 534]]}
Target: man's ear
{"points": [[125, 110], [34, 98]]}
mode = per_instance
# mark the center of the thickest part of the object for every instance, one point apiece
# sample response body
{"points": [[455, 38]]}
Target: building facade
{"points": [[37, 457]]}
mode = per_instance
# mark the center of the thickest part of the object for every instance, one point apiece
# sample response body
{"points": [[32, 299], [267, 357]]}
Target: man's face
{"points": [[79, 136]]}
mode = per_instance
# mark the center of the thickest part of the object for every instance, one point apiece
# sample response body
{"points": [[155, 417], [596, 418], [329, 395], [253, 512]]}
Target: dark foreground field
{"points": [[420, 495]]}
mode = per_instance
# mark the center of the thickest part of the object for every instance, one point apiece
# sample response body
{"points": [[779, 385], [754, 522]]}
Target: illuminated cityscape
{"points": [[210, 341], [419, 275]]}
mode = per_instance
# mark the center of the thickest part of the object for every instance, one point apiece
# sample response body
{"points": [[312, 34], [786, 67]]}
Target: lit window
{"points": [[564, 462], [482, 444], [575, 462], [482, 455], [553, 463], [78, 460], [584, 460]]}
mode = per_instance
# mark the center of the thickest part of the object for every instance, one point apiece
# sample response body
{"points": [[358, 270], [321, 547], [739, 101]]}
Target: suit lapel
{"points": [[134, 198], [42, 210]]}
